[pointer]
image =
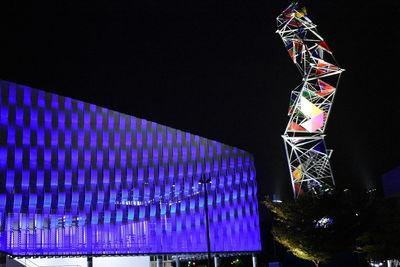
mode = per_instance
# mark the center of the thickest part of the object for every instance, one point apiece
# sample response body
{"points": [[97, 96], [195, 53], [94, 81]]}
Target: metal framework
{"points": [[310, 102]]}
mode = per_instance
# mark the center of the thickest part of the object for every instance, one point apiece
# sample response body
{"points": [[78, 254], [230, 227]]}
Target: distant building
{"points": [[391, 183], [78, 179]]}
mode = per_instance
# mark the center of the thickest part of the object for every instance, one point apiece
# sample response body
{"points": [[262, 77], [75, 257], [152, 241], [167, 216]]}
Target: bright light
{"points": [[324, 222]]}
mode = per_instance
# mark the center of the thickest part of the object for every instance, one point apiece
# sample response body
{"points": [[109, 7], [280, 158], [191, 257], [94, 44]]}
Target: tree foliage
{"points": [[380, 239], [315, 229]]}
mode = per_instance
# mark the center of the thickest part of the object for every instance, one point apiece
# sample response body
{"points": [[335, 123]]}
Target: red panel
{"points": [[295, 127], [324, 46]]}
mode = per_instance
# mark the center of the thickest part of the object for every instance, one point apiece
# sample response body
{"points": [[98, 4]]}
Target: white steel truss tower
{"points": [[310, 102]]}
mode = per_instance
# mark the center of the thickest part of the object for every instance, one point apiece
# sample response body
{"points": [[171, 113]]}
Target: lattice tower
{"points": [[310, 102]]}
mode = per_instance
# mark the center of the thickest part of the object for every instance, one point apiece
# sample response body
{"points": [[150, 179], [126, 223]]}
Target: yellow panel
{"points": [[298, 174], [308, 108]]}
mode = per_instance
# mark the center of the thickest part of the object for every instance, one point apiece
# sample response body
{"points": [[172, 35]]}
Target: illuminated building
{"points": [[78, 179]]}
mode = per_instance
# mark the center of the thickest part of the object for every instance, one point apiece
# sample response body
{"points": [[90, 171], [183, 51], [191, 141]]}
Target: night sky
{"points": [[219, 70]]}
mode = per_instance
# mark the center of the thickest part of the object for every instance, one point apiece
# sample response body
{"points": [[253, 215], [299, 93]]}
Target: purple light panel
{"points": [[80, 179]]}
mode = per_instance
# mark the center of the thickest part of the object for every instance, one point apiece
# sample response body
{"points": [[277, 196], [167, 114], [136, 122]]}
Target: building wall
{"points": [[81, 179], [138, 261], [391, 183]]}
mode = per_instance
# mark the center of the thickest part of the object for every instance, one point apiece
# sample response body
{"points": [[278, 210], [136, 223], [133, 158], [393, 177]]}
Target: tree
{"points": [[316, 229], [380, 239]]}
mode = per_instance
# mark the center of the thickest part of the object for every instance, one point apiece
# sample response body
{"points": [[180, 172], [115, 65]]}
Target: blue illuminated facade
{"points": [[78, 179]]}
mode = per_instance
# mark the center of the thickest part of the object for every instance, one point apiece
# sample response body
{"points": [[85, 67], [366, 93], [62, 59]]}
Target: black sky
{"points": [[219, 70]]}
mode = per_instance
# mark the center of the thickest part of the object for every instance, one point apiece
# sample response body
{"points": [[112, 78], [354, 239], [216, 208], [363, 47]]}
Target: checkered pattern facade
{"points": [[65, 163]]}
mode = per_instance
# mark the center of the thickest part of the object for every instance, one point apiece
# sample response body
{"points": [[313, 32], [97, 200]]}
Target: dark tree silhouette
{"points": [[380, 239], [316, 229]]}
